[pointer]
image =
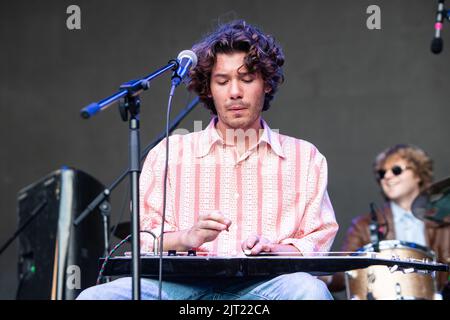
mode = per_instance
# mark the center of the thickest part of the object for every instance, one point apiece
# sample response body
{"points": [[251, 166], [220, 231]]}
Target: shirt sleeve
{"points": [[151, 192], [318, 226]]}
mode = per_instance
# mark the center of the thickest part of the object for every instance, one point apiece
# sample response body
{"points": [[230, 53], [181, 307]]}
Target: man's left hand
{"points": [[256, 244]]}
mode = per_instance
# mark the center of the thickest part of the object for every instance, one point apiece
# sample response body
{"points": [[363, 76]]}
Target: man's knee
{"points": [[119, 289], [303, 286], [89, 294]]}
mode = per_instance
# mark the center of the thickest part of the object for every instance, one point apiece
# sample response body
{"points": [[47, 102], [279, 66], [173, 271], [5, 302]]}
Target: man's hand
{"points": [[206, 229], [256, 244]]}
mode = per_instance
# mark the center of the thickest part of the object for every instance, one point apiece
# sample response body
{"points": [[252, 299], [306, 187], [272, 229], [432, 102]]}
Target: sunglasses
{"points": [[396, 171]]}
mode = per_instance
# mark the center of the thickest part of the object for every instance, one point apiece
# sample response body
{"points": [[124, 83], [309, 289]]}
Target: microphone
{"points": [[374, 228], [437, 43], [187, 59]]}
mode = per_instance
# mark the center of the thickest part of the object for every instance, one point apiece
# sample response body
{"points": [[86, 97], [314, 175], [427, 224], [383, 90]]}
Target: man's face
{"points": [[402, 186], [237, 94]]}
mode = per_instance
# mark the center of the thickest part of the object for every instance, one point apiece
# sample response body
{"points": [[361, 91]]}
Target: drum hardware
{"points": [[409, 270], [377, 282], [433, 203], [398, 291], [424, 272], [369, 296], [351, 274], [370, 281], [371, 277], [393, 269]]}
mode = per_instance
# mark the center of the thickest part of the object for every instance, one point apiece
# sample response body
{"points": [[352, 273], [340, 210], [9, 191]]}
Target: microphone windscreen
{"points": [[436, 45], [188, 54]]}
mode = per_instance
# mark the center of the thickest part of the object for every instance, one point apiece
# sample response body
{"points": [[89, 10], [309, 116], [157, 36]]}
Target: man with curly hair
{"points": [[237, 186]]}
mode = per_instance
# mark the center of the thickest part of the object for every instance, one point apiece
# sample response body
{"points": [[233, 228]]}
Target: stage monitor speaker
{"points": [[56, 259]]}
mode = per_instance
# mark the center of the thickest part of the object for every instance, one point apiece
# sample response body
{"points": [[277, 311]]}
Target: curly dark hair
{"points": [[264, 56]]}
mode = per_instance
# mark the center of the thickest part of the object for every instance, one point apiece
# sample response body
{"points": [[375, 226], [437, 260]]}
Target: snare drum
{"points": [[378, 283]]}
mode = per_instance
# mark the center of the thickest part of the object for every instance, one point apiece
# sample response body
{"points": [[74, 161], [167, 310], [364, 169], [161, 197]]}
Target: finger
{"points": [[256, 249], [262, 247], [245, 246], [215, 216], [211, 225], [218, 217], [227, 222], [267, 247], [251, 241]]}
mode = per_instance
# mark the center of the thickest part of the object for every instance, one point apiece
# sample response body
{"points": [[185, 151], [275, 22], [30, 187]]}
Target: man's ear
{"points": [[267, 89]]}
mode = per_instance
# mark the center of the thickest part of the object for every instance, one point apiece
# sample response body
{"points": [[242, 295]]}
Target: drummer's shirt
{"points": [[407, 226], [276, 189]]}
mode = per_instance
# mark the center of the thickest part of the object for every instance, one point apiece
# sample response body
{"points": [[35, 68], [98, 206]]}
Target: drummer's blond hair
{"points": [[418, 159]]}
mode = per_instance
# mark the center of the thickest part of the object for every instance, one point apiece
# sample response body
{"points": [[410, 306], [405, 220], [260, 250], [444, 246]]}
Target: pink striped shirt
{"points": [[277, 189]]}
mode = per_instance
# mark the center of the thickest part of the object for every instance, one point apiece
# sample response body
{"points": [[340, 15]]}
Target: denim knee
{"points": [[119, 289], [303, 286], [294, 286]]}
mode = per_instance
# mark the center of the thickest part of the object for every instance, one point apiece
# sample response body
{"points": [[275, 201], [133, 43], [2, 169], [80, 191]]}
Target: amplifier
{"points": [[57, 260]]}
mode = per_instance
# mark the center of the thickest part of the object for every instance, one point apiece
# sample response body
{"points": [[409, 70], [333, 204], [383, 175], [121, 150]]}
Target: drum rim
{"points": [[392, 244]]}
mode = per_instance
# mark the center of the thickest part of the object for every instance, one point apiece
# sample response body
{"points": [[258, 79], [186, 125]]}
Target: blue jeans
{"points": [[293, 286]]}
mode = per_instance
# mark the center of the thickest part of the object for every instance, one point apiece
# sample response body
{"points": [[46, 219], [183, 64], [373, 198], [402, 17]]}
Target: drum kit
{"points": [[378, 282]]}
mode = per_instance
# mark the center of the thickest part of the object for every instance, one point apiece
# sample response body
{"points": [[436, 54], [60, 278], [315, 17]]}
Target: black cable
{"points": [[31, 217], [116, 247], [122, 211], [21, 281]]}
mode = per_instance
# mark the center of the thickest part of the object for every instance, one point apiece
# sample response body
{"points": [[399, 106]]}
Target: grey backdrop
{"points": [[349, 90]]}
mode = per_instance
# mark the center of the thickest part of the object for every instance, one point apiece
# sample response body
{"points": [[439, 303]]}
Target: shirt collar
{"points": [[400, 214], [210, 136]]}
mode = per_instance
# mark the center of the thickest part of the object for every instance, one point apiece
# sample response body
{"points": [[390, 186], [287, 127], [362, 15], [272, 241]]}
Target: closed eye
{"points": [[222, 83]]}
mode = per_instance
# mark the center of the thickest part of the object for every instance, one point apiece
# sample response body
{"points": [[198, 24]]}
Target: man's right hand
{"points": [[206, 229]]}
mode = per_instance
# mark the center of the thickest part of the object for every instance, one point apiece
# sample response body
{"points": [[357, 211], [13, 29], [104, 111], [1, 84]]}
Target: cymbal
{"points": [[123, 230], [433, 204]]}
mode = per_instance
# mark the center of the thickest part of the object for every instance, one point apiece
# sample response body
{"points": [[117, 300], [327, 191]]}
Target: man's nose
{"points": [[235, 90], [388, 175]]}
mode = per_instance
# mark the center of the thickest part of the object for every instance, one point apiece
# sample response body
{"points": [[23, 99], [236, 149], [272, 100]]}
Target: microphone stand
{"points": [[132, 105], [374, 228], [107, 191], [36, 211], [129, 110], [441, 15], [101, 197]]}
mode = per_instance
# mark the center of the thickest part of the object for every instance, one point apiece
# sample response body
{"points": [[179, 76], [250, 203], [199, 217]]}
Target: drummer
{"points": [[402, 172]]}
